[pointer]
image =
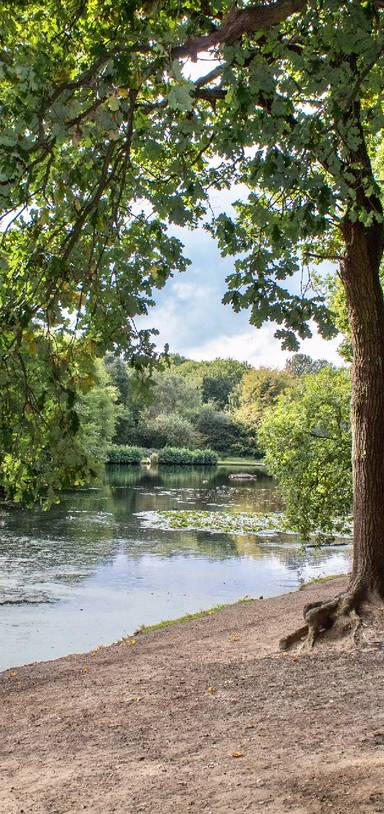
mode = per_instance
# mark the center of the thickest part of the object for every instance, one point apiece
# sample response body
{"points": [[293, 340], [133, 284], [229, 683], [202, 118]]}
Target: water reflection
{"points": [[86, 573]]}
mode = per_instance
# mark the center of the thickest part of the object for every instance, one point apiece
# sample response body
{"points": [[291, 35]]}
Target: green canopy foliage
{"points": [[257, 391], [307, 440], [217, 378], [300, 364], [105, 141]]}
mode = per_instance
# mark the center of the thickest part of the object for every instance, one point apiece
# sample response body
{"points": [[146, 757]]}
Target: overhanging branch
{"points": [[240, 22]]}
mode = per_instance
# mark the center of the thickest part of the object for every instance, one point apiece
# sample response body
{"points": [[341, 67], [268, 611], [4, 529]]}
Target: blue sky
{"points": [[191, 318]]}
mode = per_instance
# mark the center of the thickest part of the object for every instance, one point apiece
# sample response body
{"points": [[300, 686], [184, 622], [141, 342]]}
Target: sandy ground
{"points": [[206, 716]]}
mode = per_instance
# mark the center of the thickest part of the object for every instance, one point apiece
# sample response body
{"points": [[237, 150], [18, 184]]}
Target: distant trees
{"points": [[165, 430], [98, 413], [184, 405], [300, 364], [220, 431], [256, 392], [216, 378], [215, 404]]}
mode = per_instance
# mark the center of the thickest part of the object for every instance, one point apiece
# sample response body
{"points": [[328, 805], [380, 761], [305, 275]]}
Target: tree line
{"points": [[215, 404], [296, 419]]}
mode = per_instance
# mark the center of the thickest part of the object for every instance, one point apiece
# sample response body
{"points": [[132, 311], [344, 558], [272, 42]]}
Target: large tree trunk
{"points": [[360, 276]]}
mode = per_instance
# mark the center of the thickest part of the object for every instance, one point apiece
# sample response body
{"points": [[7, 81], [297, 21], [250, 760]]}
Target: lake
{"points": [[88, 573]]}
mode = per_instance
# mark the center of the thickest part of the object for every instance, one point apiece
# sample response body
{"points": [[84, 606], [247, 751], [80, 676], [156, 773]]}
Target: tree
{"points": [[220, 379], [172, 393], [257, 391], [99, 114], [300, 364], [98, 411], [132, 397], [219, 430], [50, 439], [166, 430], [216, 379], [307, 440]]}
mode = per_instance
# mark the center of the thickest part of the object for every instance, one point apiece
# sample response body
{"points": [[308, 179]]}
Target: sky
{"points": [[189, 314], [191, 318]]}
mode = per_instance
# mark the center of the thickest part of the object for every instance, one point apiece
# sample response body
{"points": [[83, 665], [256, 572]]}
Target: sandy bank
{"points": [[207, 716]]}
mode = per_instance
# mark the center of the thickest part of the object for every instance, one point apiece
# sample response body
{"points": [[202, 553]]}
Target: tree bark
{"points": [[360, 276]]}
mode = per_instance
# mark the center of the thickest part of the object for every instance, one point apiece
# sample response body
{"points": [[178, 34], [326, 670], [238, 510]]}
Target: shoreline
{"points": [[205, 716], [179, 620]]}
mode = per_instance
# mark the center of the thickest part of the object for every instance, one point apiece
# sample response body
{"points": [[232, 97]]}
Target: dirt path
{"points": [[204, 717]]}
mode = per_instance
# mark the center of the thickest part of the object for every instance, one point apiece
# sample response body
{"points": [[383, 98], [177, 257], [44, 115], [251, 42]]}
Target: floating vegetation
{"points": [[216, 522], [263, 524]]}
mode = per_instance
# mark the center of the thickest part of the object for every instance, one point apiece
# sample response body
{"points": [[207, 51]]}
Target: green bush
{"points": [[119, 454], [205, 456], [187, 457]]}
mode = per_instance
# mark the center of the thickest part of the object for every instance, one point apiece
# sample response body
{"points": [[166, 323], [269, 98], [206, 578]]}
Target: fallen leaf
{"points": [[237, 754]]}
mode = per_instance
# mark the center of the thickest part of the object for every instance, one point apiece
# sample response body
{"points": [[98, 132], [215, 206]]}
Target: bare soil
{"points": [[206, 716]]}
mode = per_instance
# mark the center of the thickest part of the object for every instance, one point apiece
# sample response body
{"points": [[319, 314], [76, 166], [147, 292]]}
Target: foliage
{"points": [[51, 438], [219, 430], [171, 393], [300, 364], [105, 141], [166, 430], [173, 455], [205, 457], [307, 440], [169, 409], [98, 413], [257, 391], [216, 379], [123, 455]]}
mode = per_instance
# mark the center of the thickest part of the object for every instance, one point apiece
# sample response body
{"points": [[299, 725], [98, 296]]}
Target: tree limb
{"points": [[239, 22]]}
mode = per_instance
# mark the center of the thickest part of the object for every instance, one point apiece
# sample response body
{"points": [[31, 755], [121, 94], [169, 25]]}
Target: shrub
{"points": [[170, 430], [187, 457], [119, 454], [175, 455], [205, 456]]}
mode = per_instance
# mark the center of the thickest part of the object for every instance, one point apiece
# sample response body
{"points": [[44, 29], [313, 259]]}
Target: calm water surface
{"points": [[86, 572]]}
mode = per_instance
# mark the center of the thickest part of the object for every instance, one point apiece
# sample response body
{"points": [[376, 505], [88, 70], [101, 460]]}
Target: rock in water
{"points": [[243, 476]]}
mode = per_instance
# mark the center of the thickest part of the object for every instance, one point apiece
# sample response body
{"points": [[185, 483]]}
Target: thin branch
{"points": [[336, 257]]}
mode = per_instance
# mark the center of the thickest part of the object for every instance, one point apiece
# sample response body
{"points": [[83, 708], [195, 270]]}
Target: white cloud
{"points": [[192, 320], [259, 347]]}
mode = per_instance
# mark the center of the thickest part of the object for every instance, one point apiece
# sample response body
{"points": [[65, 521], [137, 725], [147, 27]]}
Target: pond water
{"points": [[87, 572]]}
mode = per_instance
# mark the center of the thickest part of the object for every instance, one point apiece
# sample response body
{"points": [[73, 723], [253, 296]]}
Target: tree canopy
{"points": [[106, 141], [307, 439]]}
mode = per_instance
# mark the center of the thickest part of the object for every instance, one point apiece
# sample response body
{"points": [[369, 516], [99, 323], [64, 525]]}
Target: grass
{"points": [[232, 460], [189, 617], [320, 580]]}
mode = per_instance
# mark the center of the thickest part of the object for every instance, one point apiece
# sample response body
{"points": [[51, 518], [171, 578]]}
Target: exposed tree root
{"points": [[321, 616]]}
